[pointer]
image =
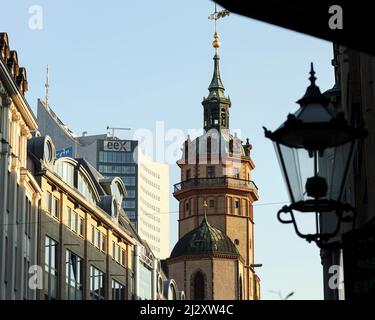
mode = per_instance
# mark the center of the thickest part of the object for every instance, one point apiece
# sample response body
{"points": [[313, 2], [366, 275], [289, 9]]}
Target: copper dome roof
{"points": [[204, 240]]}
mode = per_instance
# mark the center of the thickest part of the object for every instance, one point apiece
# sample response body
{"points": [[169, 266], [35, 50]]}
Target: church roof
{"points": [[204, 240]]}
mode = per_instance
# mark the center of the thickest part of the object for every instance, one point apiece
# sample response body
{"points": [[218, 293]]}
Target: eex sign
{"points": [[67, 152], [117, 145]]}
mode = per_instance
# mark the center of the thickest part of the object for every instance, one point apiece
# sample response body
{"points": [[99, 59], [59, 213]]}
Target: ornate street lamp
{"points": [[315, 148]]}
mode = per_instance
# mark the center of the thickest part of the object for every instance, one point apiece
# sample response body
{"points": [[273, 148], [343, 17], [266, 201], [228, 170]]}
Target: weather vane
{"points": [[216, 16]]}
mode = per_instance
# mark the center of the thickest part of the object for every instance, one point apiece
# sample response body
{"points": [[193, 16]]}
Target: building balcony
{"points": [[216, 182]]}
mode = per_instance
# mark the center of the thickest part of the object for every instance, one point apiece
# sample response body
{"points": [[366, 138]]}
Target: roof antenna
{"points": [[47, 87]]}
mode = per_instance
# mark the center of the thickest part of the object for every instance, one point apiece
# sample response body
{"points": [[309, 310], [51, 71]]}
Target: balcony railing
{"points": [[216, 182]]}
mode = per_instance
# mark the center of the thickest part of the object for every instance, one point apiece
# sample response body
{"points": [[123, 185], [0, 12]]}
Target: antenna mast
{"points": [[47, 87]]}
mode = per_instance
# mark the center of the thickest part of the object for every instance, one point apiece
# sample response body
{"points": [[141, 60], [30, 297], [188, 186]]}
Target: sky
{"points": [[133, 63]]}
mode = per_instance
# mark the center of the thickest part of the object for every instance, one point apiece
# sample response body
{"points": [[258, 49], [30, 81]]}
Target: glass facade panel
{"points": [[118, 291], [97, 284], [50, 268], [55, 207], [68, 215], [144, 282], [74, 276], [74, 221]]}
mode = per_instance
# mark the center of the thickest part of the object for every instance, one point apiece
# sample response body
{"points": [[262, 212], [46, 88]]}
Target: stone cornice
{"points": [[19, 100]]}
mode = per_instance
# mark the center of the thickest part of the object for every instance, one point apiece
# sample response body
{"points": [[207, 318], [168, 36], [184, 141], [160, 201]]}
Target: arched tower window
{"points": [[223, 117], [199, 286]]}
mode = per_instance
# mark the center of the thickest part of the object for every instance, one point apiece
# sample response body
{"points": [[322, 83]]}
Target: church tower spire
{"points": [[216, 105], [214, 256]]}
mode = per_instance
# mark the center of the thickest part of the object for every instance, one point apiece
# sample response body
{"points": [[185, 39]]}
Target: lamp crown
{"points": [[312, 74]]}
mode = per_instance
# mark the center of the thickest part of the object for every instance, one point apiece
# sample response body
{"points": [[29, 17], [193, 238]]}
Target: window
{"points": [[236, 173], [212, 203], [118, 253], [28, 218], [128, 181], [145, 282], [123, 257], [198, 286], [26, 288], [74, 276], [209, 140], [81, 225], [48, 202], [55, 208], [97, 284], [50, 268], [74, 221], [223, 117], [114, 250], [187, 206], [97, 238], [66, 171], [129, 204], [237, 206], [130, 194], [68, 217], [237, 203], [92, 234], [103, 242], [84, 188], [188, 174], [210, 172], [118, 291]]}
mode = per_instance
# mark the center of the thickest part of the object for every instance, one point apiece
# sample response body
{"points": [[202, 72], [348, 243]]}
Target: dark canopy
{"points": [[311, 17]]}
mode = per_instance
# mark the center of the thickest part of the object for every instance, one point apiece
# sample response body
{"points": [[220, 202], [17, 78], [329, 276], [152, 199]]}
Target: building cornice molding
{"points": [[27, 179], [19, 100]]}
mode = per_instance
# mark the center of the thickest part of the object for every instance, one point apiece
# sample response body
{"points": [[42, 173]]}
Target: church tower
{"points": [[214, 257]]}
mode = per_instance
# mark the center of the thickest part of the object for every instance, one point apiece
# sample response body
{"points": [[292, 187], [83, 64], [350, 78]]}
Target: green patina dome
{"points": [[204, 240]]}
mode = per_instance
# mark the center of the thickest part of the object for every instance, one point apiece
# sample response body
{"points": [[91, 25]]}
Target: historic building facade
{"points": [[353, 94], [19, 192], [214, 257], [63, 231], [146, 181], [88, 248]]}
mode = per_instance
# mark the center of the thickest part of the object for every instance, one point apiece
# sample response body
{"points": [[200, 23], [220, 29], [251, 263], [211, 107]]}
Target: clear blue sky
{"points": [[131, 63]]}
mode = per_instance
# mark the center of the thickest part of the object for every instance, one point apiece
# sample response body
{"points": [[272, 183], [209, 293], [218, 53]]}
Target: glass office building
{"points": [[118, 158]]}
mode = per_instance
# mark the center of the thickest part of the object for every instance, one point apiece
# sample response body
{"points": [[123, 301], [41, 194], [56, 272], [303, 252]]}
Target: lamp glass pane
{"points": [[292, 162], [333, 166]]}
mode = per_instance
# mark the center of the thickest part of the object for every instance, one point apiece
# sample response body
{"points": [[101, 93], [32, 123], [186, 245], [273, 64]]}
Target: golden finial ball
{"points": [[216, 43]]}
